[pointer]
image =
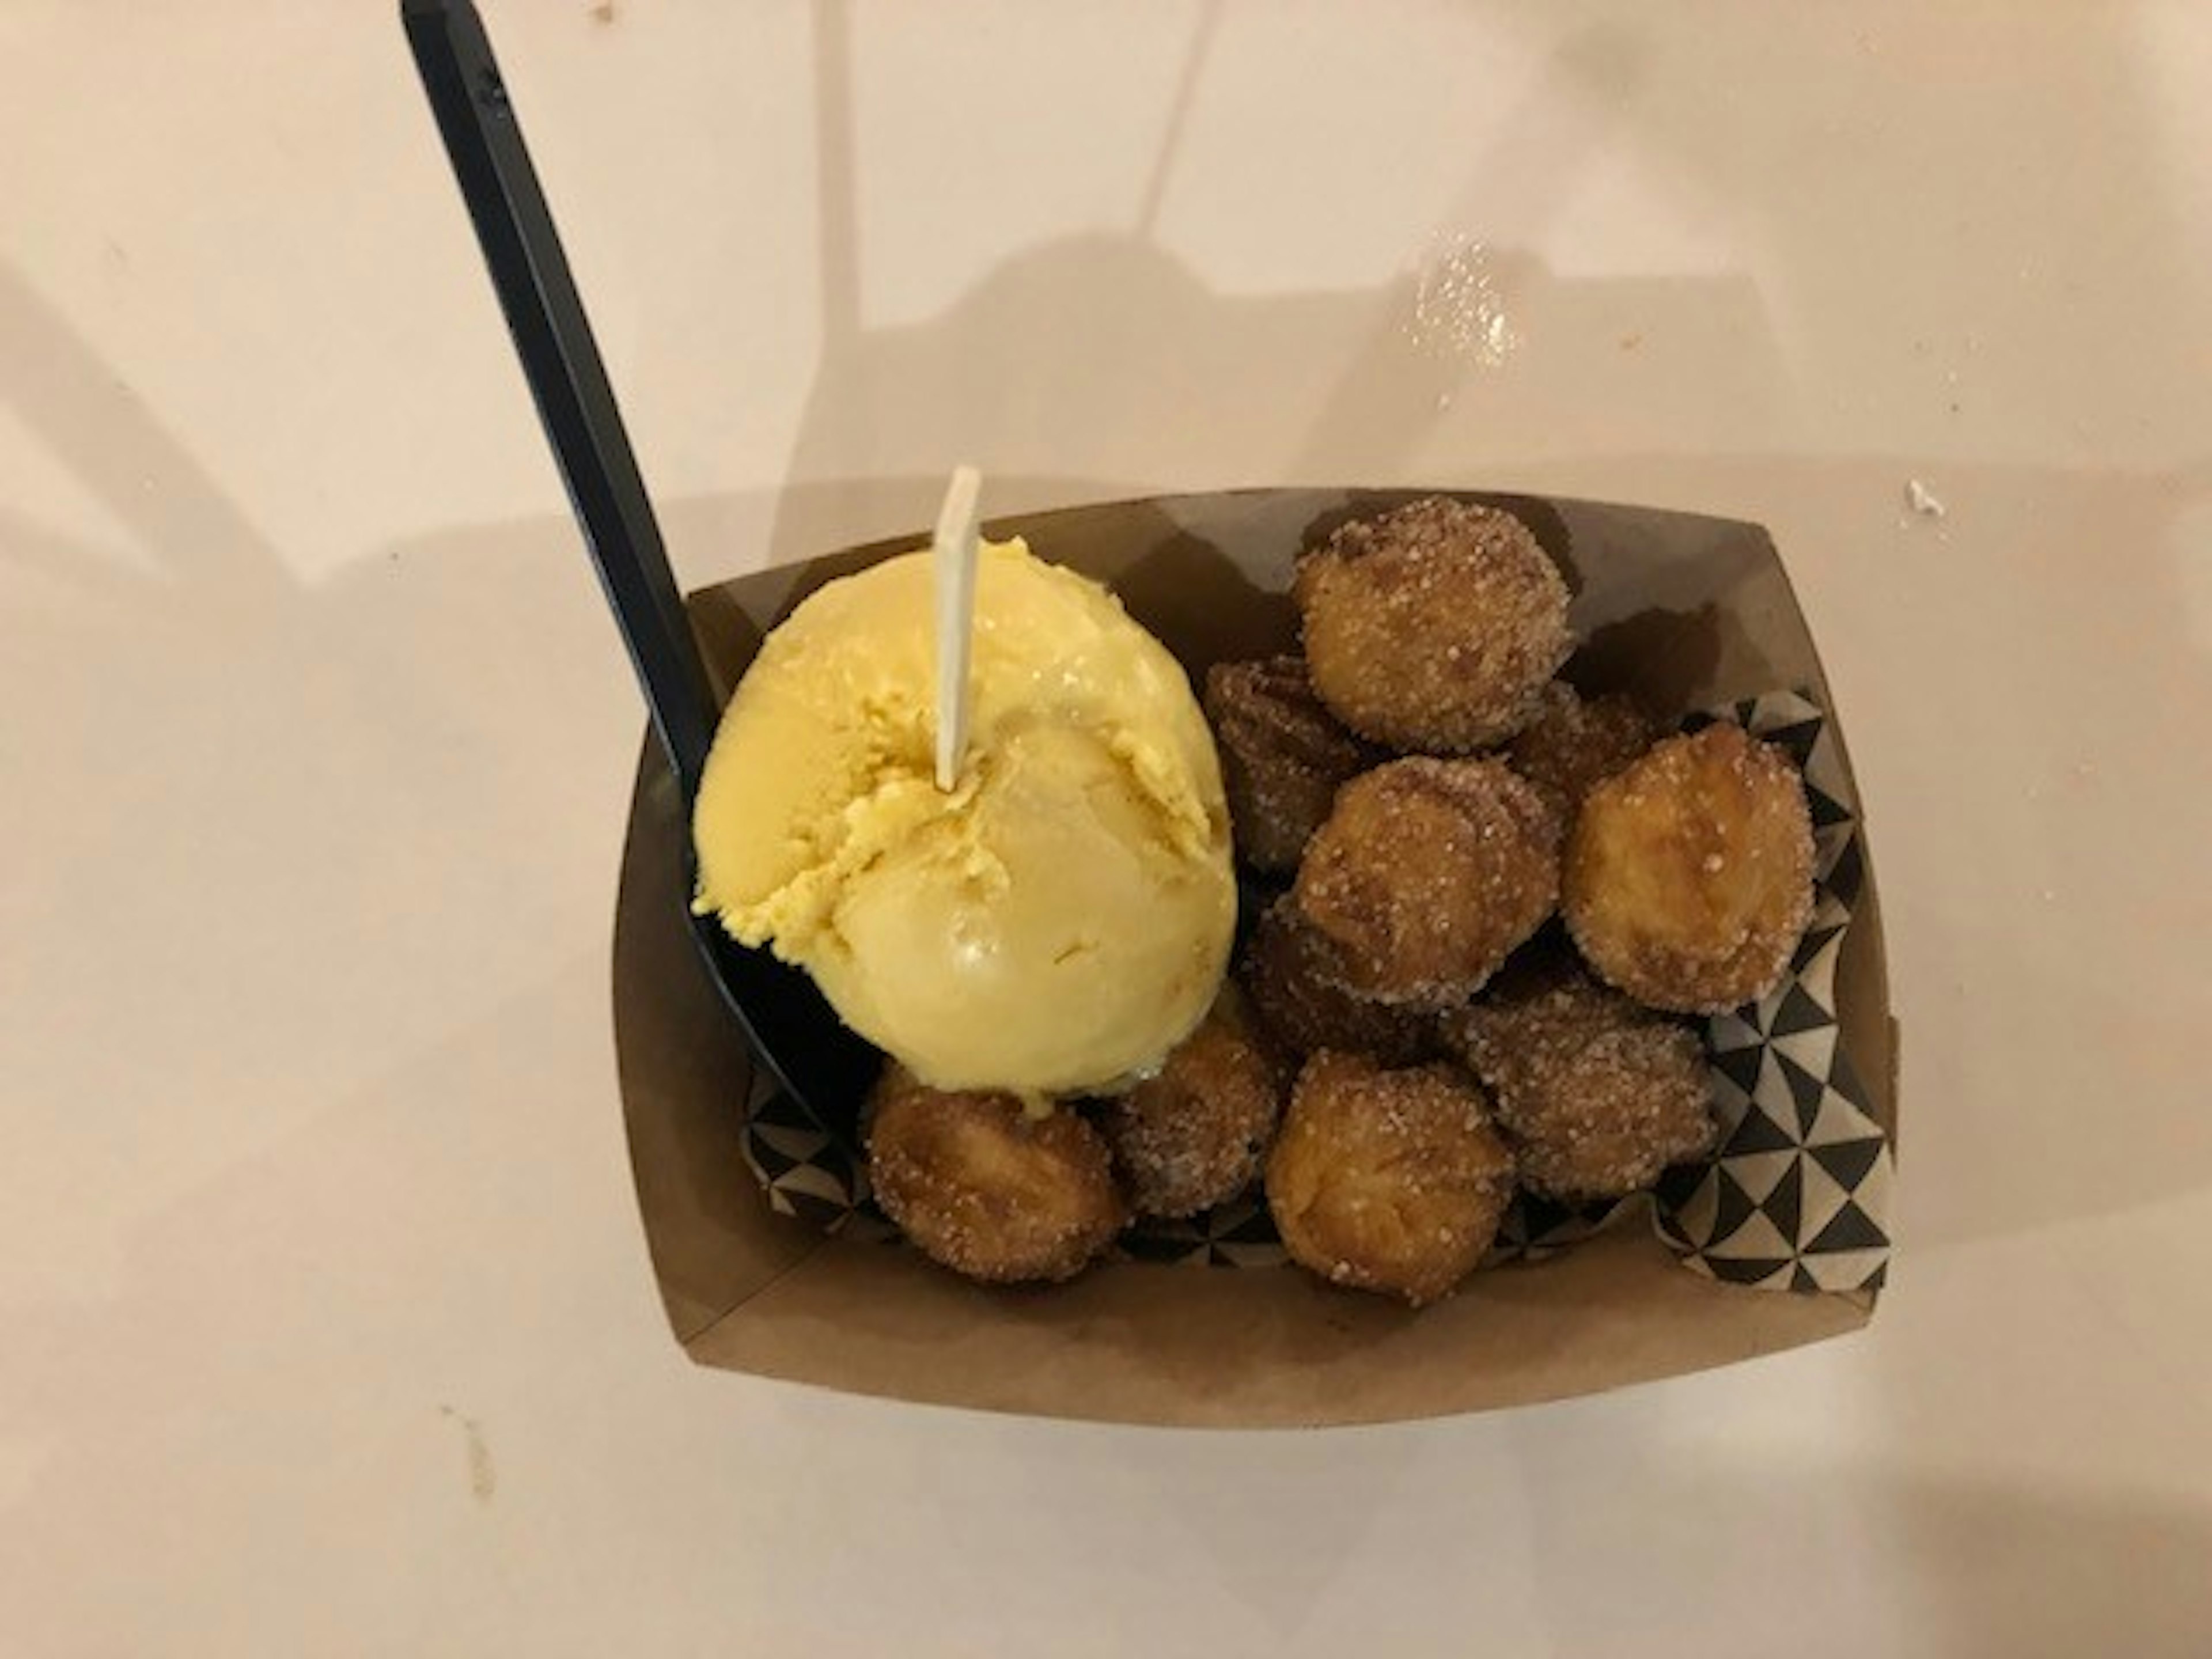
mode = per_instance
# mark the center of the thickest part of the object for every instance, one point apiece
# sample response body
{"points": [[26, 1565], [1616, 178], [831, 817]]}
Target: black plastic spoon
{"points": [[792, 1031]]}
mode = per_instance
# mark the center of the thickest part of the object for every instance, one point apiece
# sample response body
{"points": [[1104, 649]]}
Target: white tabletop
{"points": [[326, 1325]]}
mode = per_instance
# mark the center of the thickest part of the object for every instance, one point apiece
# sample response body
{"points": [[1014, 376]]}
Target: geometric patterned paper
{"points": [[805, 1173], [1796, 1197], [1238, 1234]]}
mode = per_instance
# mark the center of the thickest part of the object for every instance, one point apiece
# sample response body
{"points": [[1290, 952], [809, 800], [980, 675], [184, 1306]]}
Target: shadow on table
{"points": [[1845, 1561], [1090, 367]]}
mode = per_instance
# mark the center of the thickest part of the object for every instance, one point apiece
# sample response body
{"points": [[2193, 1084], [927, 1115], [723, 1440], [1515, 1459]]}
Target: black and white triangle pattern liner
{"points": [[1797, 1198], [1535, 1228], [805, 1173], [1238, 1234]]}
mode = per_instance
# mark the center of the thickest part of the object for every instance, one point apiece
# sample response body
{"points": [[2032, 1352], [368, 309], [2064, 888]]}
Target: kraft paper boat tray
{"points": [[1685, 610]]}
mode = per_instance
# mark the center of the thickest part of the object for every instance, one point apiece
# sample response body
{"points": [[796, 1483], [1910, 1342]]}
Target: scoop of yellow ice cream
{"points": [[1055, 923]]}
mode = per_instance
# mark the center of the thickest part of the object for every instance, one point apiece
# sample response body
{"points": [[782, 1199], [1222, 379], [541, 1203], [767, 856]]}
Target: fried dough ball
{"points": [[1427, 874], [1283, 755], [1575, 743], [1389, 1181], [985, 1187], [1195, 1134], [1287, 972], [1689, 875], [1433, 627], [1597, 1093]]}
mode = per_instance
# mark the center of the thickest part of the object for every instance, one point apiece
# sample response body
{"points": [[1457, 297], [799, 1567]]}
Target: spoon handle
{"points": [[483, 140], [954, 555]]}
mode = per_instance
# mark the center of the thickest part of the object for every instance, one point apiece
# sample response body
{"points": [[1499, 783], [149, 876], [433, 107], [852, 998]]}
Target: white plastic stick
{"points": [[955, 547]]}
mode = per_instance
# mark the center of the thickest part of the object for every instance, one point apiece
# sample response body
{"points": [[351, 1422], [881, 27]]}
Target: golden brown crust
{"points": [[1427, 874], [986, 1190], [1287, 971], [1283, 755], [1433, 627], [1196, 1135], [1575, 743], [1597, 1094], [1388, 1181], [1689, 875]]}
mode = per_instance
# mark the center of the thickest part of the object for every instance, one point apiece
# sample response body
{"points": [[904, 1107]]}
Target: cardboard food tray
{"points": [[1685, 610]]}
